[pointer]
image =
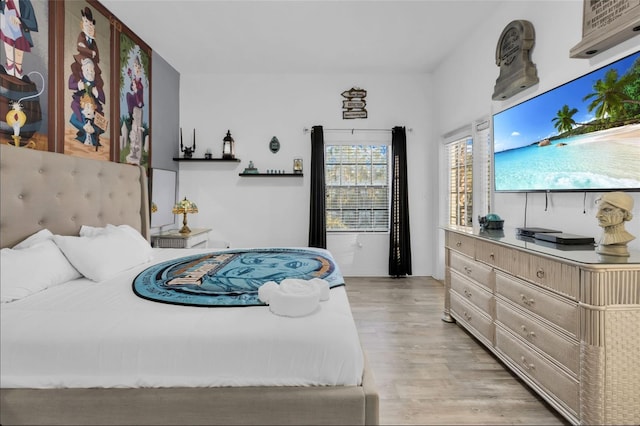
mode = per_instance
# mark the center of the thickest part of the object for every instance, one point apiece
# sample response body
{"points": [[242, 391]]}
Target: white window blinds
{"points": [[460, 162], [357, 187]]}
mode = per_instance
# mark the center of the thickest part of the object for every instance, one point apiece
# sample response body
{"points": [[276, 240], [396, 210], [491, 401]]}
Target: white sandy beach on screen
{"points": [[627, 135]]}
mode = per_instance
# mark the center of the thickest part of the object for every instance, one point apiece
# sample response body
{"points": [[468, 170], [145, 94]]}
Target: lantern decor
{"points": [[228, 147], [297, 166], [183, 207]]}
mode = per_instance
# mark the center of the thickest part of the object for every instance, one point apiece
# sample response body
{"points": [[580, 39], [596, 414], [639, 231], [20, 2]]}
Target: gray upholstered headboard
{"points": [[61, 193]]}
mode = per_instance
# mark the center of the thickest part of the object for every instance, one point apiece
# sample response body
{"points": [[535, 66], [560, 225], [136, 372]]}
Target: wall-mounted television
{"points": [[581, 136]]}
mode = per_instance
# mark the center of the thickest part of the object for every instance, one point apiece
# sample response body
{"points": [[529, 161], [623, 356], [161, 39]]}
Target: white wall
{"points": [[463, 86], [260, 212]]}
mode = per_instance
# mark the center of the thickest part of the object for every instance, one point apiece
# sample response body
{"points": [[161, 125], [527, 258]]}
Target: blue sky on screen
{"points": [[530, 121]]}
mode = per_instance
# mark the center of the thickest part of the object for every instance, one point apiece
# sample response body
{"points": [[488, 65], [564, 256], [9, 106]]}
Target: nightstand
{"points": [[197, 238]]}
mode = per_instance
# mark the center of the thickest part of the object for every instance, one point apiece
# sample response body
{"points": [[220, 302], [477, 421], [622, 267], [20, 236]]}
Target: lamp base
{"points": [[185, 229]]}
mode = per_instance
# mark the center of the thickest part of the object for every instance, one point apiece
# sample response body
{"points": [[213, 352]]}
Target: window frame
{"points": [[354, 141], [480, 134]]}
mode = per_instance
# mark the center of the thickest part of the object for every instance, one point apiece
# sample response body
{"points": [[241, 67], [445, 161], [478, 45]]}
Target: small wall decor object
{"points": [[188, 151], [228, 147], [614, 209], [251, 169], [354, 105], [606, 24], [513, 56], [297, 166], [208, 154], [183, 207], [274, 145]]}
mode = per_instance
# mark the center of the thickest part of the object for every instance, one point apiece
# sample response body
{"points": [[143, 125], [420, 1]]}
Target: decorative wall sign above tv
{"points": [[513, 56], [581, 136], [354, 106], [605, 24]]}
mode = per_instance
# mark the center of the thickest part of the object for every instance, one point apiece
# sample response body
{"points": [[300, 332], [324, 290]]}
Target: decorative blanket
{"points": [[231, 277]]}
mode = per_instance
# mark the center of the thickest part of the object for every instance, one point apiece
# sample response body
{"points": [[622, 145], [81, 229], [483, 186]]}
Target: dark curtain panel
{"points": [[400, 239], [317, 215]]}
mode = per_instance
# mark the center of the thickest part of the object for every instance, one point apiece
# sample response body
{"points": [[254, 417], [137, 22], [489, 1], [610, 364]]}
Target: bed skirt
{"points": [[317, 405]]}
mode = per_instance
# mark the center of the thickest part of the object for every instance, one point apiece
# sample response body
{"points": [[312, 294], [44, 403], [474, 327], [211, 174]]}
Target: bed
{"points": [[64, 194]]}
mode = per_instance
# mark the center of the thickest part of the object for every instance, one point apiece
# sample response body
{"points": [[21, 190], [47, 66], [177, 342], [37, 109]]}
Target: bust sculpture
{"points": [[614, 209]]}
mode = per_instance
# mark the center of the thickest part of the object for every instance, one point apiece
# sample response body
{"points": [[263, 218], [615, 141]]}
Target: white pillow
{"points": [[26, 271], [38, 237], [104, 255], [90, 231]]}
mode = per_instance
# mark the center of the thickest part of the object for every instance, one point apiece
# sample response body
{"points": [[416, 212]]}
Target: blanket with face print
{"points": [[232, 277]]}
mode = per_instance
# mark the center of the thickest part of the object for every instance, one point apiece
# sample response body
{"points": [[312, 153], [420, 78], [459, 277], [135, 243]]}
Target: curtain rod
{"points": [[307, 130]]}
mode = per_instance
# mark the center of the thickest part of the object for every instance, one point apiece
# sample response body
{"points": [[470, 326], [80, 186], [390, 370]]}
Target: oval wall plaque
{"points": [[274, 145]]}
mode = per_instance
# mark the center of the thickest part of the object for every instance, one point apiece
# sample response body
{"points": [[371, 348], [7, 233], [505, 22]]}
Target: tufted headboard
{"points": [[61, 193]]}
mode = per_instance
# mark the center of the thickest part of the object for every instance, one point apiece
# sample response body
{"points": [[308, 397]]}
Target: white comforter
{"points": [[86, 334]]}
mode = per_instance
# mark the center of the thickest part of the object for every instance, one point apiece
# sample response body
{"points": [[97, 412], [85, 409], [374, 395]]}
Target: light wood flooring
{"points": [[429, 371]]}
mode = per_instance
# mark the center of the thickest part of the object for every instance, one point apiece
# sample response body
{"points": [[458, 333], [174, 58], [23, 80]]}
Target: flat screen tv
{"points": [[581, 136]]}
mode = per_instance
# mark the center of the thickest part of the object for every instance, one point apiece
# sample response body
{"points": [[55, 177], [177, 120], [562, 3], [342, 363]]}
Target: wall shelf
{"points": [[271, 174], [232, 160]]}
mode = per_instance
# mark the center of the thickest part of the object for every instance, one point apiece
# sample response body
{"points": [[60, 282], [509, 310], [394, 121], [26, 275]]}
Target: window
{"points": [[467, 182], [357, 187], [460, 160]]}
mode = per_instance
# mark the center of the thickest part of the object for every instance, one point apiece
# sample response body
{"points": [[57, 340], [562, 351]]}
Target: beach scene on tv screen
{"points": [[583, 135]]}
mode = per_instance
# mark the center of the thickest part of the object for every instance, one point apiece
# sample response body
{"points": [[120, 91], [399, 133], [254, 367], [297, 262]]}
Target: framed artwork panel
{"points": [[26, 73], [134, 108], [85, 81]]}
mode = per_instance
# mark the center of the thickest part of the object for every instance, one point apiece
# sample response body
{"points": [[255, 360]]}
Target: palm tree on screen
{"points": [[609, 95], [563, 121]]}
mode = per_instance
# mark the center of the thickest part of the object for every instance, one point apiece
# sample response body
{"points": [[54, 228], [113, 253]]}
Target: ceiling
{"points": [[298, 36]]}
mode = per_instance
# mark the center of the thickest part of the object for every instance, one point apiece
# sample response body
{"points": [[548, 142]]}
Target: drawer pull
{"points": [[528, 334], [527, 301], [467, 316], [467, 270], [540, 273], [459, 243], [526, 365], [467, 293], [492, 256]]}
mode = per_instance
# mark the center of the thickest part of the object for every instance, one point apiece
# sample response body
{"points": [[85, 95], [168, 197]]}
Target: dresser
{"points": [[563, 318]]}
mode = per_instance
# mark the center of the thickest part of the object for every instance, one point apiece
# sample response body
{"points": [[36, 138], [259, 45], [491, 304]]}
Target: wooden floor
{"points": [[429, 371]]}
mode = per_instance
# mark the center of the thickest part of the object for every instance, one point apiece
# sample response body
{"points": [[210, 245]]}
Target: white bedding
{"points": [[86, 334]]}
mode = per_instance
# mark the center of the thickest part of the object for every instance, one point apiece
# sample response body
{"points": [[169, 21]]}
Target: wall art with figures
{"points": [[74, 80]]}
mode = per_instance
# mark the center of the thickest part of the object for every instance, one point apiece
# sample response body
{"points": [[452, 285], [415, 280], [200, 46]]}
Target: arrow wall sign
{"points": [[354, 106]]}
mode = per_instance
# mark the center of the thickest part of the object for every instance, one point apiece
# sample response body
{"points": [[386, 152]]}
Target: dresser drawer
{"points": [[496, 255], [472, 292], [461, 243], [564, 350], [479, 323], [553, 275], [533, 365], [559, 311], [477, 271]]}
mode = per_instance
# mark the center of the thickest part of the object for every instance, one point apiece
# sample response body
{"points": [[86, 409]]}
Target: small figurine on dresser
{"points": [[614, 209]]}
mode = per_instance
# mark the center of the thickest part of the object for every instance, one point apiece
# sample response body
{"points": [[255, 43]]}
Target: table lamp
{"points": [[183, 207]]}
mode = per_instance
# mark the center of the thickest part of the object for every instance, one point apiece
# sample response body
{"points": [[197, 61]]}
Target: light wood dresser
{"points": [[563, 318]]}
